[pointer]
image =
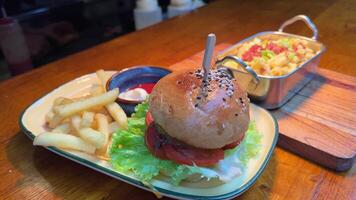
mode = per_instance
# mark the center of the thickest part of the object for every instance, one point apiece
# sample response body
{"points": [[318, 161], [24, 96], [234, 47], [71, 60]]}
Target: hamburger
{"points": [[191, 128], [192, 120]]}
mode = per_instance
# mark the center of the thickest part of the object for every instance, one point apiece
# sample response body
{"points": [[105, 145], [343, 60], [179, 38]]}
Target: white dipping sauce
{"points": [[137, 94]]}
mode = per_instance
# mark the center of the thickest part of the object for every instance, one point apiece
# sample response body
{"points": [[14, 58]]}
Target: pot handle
{"points": [[248, 69], [307, 21]]}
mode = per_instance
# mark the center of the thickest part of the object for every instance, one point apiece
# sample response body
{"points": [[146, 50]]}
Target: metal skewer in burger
{"points": [[195, 115]]}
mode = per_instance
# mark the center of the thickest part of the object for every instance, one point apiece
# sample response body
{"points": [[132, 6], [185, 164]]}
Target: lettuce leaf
{"points": [[140, 110], [129, 153], [249, 147], [136, 125], [235, 160]]}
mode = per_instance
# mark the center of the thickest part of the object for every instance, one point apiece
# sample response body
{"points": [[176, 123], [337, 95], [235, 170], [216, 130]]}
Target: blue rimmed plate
{"points": [[32, 123]]}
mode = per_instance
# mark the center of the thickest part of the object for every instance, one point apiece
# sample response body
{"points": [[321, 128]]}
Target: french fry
{"points": [[118, 114], [62, 128], [102, 77], [99, 109], [82, 105], [93, 137], [80, 98], [108, 146], [62, 140], [113, 126], [76, 121], [110, 119], [92, 118], [49, 116], [87, 119], [58, 101], [61, 101], [96, 90], [103, 127], [104, 111], [55, 121], [104, 157], [66, 101]]}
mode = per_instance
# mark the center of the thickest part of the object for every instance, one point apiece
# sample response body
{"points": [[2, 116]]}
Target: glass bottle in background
{"points": [[14, 46], [147, 13], [180, 7]]}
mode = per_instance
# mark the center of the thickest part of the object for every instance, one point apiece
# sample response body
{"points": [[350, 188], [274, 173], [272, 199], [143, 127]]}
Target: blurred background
{"points": [[36, 32]]}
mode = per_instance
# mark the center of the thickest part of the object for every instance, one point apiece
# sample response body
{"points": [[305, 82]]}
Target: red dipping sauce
{"points": [[146, 86]]}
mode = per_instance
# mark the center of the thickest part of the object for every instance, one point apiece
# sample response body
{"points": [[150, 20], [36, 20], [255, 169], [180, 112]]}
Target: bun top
{"points": [[202, 114]]}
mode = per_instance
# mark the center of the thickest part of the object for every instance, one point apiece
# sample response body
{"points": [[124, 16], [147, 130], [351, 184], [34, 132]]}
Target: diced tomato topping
{"points": [[247, 56], [275, 48], [254, 51], [256, 48]]}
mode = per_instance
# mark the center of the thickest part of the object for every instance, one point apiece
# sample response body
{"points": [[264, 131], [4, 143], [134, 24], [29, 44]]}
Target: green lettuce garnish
{"points": [[285, 43], [129, 153], [140, 110], [291, 56], [267, 54], [250, 145]]}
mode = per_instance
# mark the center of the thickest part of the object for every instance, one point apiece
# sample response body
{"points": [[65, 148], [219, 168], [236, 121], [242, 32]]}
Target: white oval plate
{"points": [[32, 123]]}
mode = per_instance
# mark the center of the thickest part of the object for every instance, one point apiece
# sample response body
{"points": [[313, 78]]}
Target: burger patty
{"points": [[170, 149], [167, 148]]}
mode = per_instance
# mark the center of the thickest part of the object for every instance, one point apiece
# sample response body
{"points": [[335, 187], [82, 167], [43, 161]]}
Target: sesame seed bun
{"points": [[202, 114]]}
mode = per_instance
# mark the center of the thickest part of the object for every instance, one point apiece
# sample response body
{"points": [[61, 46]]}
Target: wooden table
{"points": [[29, 172]]}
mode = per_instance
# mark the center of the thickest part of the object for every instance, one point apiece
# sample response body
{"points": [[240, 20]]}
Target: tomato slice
{"points": [[148, 119], [155, 142], [169, 149], [184, 154], [234, 144]]}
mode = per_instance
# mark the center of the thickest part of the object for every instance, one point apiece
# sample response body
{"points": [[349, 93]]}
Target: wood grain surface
{"points": [[319, 122], [29, 172]]}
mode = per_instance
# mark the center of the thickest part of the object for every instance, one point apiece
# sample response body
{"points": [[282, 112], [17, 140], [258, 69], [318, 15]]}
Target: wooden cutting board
{"points": [[319, 123]]}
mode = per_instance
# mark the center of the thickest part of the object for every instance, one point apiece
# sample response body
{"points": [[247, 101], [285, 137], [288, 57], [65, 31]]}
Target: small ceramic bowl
{"points": [[131, 77]]}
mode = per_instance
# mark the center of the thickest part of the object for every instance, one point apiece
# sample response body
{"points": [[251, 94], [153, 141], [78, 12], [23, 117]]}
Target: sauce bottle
{"points": [[14, 46], [147, 13]]}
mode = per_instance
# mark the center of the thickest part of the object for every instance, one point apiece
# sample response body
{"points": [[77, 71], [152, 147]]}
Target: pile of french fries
{"points": [[84, 124]]}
